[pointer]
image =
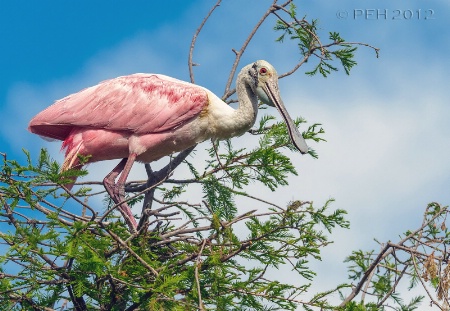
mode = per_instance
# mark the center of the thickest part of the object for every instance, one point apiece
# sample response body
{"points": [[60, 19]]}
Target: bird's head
{"points": [[264, 81], [262, 78]]}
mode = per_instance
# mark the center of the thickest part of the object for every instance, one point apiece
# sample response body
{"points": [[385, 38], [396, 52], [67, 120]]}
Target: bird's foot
{"points": [[129, 217]]}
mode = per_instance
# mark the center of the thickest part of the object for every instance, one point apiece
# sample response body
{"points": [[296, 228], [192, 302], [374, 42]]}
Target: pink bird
{"points": [[143, 117]]}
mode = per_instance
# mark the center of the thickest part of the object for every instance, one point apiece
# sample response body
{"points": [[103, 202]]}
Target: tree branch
{"points": [[194, 39]]}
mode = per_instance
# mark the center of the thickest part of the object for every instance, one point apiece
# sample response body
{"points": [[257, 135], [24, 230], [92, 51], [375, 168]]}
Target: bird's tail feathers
{"points": [[71, 160]]}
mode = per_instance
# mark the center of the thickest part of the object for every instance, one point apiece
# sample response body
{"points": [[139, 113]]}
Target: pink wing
{"points": [[139, 103]]}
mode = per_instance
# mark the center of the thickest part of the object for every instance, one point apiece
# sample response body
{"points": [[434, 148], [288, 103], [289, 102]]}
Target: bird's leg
{"points": [[109, 182], [120, 188], [117, 190]]}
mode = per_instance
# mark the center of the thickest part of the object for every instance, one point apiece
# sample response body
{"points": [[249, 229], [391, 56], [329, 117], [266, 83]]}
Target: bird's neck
{"points": [[227, 122], [247, 111]]}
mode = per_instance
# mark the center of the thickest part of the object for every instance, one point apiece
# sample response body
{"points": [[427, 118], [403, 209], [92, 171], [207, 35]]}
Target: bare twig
{"points": [[423, 284], [133, 253], [394, 287], [194, 39], [201, 307]]}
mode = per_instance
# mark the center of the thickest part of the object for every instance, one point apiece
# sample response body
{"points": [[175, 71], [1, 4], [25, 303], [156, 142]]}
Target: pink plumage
{"points": [[139, 103]]}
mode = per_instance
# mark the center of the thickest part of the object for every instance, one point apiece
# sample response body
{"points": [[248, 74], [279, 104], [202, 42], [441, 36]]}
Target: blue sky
{"points": [[386, 124], [50, 39]]}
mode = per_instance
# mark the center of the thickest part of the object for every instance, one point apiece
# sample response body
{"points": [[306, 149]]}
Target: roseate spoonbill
{"points": [[143, 117]]}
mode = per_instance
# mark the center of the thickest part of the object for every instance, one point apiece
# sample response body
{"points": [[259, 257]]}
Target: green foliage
{"points": [[54, 255], [309, 44]]}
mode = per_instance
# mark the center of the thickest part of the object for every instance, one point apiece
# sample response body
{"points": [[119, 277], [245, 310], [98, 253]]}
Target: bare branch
{"points": [[201, 307], [194, 39]]}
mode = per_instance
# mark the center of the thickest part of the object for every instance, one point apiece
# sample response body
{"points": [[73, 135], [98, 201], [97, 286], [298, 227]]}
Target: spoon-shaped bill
{"points": [[271, 89]]}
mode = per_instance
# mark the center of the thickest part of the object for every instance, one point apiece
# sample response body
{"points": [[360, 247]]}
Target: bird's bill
{"points": [[271, 89]]}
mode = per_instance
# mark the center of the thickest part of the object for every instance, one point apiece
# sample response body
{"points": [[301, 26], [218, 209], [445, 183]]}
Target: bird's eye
{"points": [[263, 71]]}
